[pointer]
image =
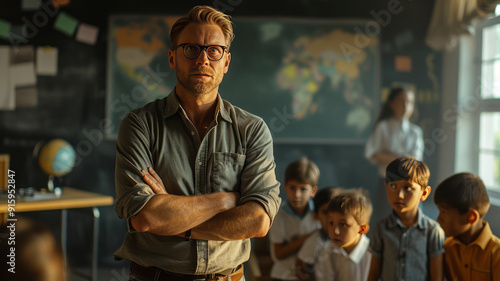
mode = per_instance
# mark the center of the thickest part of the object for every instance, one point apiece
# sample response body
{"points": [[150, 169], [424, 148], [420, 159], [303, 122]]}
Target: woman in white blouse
{"points": [[393, 136]]}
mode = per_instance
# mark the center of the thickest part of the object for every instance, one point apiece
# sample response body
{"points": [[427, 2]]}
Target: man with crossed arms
{"points": [[195, 175]]}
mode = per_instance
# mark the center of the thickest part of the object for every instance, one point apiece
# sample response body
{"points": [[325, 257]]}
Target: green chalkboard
{"points": [[310, 80]]}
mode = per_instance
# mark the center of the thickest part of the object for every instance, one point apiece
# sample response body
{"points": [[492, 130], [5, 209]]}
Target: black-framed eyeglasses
{"points": [[192, 51]]}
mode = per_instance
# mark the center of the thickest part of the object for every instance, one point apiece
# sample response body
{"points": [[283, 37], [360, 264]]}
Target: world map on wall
{"points": [[138, 70], [308, 80]]}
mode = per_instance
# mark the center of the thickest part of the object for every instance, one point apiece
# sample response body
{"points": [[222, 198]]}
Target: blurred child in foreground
{"points": [[38, 257]]}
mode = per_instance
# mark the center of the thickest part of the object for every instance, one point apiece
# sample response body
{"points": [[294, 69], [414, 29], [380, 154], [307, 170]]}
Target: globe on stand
{"points": [[56, 158]]}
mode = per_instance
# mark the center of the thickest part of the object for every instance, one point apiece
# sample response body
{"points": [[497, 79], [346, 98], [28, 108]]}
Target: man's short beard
{"points": [[200, 88]]}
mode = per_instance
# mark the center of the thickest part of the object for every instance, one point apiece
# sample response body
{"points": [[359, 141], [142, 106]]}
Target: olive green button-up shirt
{"points": [[236, 154]]}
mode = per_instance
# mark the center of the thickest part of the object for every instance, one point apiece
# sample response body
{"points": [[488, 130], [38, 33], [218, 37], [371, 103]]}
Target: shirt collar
{"points": [[405, 125], [173, 105], [288, 209], [482, 240], [358, 252], [222, 109], [395, 221]]}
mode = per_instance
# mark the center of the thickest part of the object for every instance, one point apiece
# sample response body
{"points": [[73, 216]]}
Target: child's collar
{"points": [[482, 240], [472, 235], [358, 252], [310, 208], [394, 220]]}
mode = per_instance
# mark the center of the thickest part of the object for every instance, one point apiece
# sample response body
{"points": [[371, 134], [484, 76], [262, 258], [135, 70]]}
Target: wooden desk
{"points": [[70, 198]]}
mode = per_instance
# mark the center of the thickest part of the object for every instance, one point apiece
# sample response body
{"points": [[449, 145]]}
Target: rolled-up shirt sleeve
{"points": [[132, 156], [436, 241], [258, 179]]}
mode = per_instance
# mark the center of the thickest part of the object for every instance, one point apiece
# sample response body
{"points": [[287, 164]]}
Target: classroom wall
{"points": [[72, 104]]}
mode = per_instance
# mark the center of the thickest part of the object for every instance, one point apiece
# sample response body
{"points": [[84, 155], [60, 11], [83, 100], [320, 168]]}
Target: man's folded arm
{"points": [[167, 214], [148, 207], [246, 221]]}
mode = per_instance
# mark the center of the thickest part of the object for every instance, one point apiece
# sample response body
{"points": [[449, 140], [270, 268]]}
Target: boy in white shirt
{"points": [[348, 257], [319, 240], [294, 222]]}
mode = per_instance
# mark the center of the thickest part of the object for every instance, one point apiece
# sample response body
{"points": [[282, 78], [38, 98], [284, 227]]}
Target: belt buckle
{"points": [[211, 277], [206, 277]]}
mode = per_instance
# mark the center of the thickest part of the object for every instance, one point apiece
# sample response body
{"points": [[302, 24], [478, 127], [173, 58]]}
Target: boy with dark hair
{"points": [[407, 245], [472, 252], [348, 257], [314, 245], [294, 223]]}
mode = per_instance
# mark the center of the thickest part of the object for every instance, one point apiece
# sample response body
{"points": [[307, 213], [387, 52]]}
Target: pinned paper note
{"points": [[66, 23], [7, 98], [4, 29], [87, 33], [30, 5], [46, 61], [402, 63], [22, 54], [23, 74]]}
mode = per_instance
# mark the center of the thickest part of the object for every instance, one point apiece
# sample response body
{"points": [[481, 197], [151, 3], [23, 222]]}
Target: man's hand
{"points": [[169, 214], [191, 212], [154, 181]]}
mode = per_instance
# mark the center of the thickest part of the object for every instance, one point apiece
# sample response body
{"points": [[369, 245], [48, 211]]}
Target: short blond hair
{"points": [[203, 14], [353, 202]]}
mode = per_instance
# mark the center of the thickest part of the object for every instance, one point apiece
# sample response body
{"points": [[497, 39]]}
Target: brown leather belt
{"points": [[151, 272]]}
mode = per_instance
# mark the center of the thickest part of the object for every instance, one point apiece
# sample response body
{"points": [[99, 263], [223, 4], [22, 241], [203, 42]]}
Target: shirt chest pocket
{"points": [[480, 274], [227, 170]]}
